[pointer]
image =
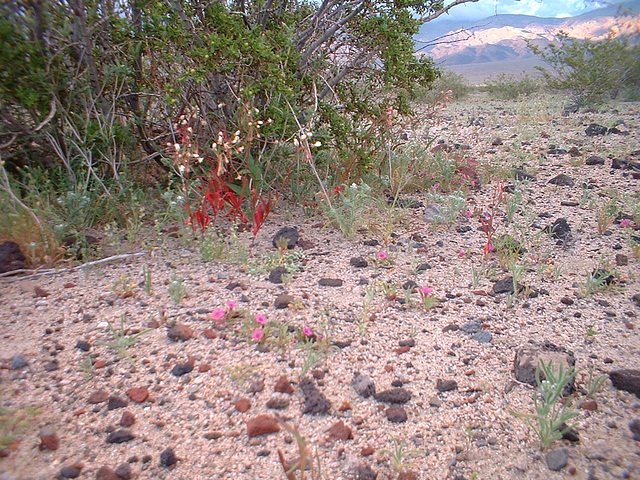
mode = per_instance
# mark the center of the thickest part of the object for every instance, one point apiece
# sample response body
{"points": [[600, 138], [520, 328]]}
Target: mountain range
{"points": [[498, 44]]}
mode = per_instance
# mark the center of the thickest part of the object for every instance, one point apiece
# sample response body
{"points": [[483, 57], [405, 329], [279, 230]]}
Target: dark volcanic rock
{"points": [[120, 436], [182, 369], [106, 473], [290, 234], [358, 262], [396, 414], [504, 285], [521, 175], [168, 458], [124, 472], [529, 356], [18, 361], [594, 160], [72, 471], [560, 230], [330, 282], [365, 472], [11, 257], [634, 426], [446, 385], [562, 180], [627, 380], [314, 400], [394, 395], [275, 275], [116, 402], [594, 129], [278, 401]]}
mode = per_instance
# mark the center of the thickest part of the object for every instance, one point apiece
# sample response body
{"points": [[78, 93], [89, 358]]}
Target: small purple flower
{"points": [[625, 222], [261, 319], [217, 314], [468, 214], [382, 255], [491, 248], [461, 253], [232, 305], [306, 331], [257, 335]]}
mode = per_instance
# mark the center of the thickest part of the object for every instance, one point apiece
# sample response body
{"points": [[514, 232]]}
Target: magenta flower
{"points": [[461, 253], [261, 319], [468, 214], [257, 335], [491, 248], [382, 255], [232, 305], [217, 314], [426, 291], [306, 331], [625, 222]]}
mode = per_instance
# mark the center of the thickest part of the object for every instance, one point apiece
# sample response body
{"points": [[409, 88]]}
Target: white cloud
{"points": [[540, 8]]}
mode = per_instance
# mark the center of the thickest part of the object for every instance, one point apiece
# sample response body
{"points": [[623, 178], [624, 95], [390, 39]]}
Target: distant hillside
{"points": [[502, 39]]}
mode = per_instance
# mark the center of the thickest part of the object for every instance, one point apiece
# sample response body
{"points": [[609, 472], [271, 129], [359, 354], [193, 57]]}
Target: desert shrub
{"points": [[454, 82], [511, 87], [592, 70]]}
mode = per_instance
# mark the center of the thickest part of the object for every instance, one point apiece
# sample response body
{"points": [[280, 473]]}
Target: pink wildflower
{"points": [[217, 314], [306, 331], [468, 214], [625, 222], [261, 319], [491, 248], [461, 253], [426, 291], [257, 335], [232, 305], [382, 255]]}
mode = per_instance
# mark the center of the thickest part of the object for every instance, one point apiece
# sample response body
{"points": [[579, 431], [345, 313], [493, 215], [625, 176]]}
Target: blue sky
{"points": [[539, 8]]}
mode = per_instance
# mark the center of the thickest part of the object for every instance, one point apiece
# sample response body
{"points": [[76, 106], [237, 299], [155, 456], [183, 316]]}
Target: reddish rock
{"points": [[106, 473], [590, 405], [210, 334], [205, 367], [367, 451], [127, 419], [401, 350], [262, 425], [49, 440], [388, 368], [40, 292], [98, 396], [339, 431], [396, 414], [69, 285], [283, 385], [99, 364], [180, 332], [243, 405], [345, 406], [138, 394]]}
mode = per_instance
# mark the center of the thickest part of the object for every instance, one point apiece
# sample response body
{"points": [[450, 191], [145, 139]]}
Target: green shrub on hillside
{"points": [[511, 87]]}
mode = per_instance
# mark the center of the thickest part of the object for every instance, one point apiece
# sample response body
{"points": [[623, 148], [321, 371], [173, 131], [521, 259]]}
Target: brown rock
{"points": [[106, 473], [69, 285], [210, 334], [98, 396], [283, 301], [401, 350], [99, 364], [396, 414], [205, 367], [339, 431], [262, 425], [283, 385], [127, 419], [180, 332], [345, 406], [243, 405], [138, 394], [590, 405], [40, 292], [367, 451]]}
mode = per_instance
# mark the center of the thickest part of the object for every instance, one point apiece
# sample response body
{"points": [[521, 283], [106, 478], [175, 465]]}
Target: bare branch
{"points": [[444, 10]]}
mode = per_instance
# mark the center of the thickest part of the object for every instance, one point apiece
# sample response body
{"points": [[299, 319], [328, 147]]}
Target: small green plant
{"points": [[313, 357], [599, 280], [448, 206], [123, 287], [241, 373], [87, 367], [14, 421], [292, 261], [399, 454], [551, 417], [307, 460], [347, 211], [146, 284], [514, 202], [369, 296], [594, 384], [122, 340], [591, 332], [427, 297], [212, 246], [177, 289], [476, 276], [511, 87]]}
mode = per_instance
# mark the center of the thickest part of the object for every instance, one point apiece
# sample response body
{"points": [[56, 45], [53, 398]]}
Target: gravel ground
{"points": [[183, 402]]}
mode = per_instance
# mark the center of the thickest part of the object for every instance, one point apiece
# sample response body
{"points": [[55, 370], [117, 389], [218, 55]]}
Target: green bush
{"points": [[593, 71], [511, 87]]}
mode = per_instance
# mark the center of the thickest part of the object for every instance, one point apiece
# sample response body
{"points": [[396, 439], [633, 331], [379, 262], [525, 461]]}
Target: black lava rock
{"points": [[394, 395], [290, 234], [315, 402]]}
